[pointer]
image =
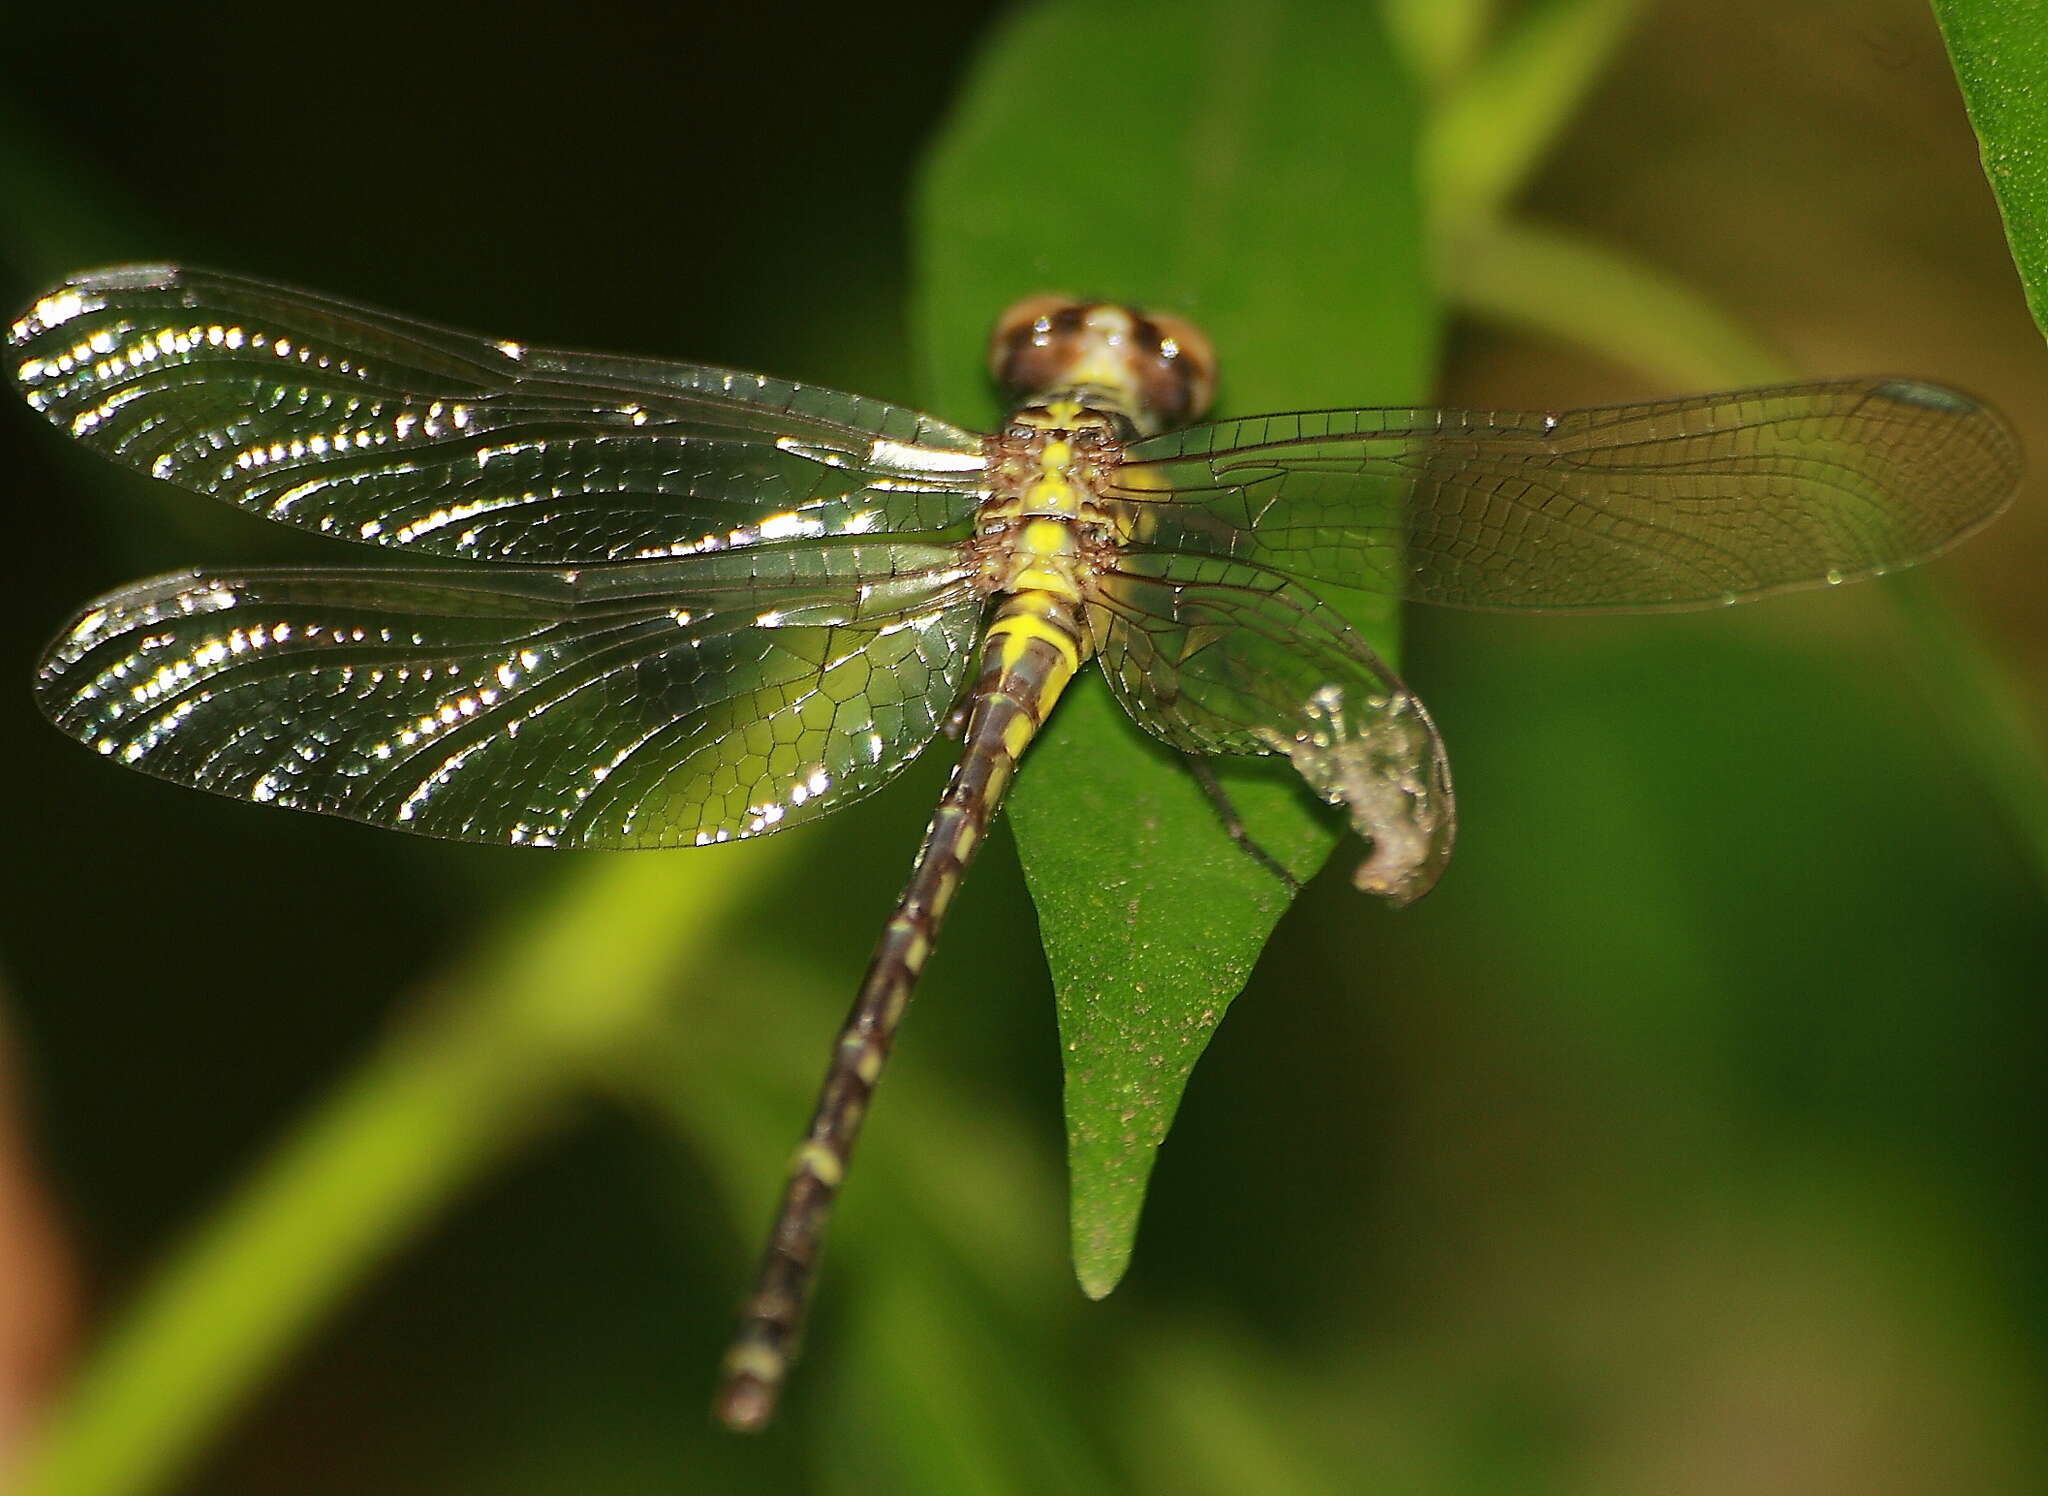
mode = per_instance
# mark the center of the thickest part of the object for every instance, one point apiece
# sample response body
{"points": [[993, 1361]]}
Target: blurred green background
{"points": [[1689, 1138]]}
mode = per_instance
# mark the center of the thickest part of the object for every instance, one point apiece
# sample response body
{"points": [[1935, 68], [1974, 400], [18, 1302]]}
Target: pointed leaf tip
{"points": [[1255, 173]]}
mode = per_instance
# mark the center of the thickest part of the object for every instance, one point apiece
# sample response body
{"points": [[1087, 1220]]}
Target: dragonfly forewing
{"points": [[1673, 504], [622, 707], [372, 427]]}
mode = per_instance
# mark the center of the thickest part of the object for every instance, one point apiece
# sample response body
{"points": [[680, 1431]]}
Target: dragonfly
{"points": [[643, 603]]}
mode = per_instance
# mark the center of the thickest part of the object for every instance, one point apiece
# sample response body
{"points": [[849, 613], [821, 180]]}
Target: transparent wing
{"points": [[1218, 656], [636, 705], [375, 428], [1678, 504]]}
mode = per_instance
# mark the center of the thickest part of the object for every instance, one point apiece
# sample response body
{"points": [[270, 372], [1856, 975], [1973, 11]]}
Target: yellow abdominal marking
{"points": [[999, 778], [821, 1163], [756, 1361], [1019, 629], [1017, 735]]}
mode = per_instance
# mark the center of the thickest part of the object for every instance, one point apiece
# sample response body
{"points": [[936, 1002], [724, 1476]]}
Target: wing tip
{"points": [[1928, 396], [1977, 424], [148, 275], [87, 291]]}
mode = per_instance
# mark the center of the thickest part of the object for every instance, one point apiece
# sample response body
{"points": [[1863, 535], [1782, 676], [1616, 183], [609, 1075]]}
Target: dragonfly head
{"points": [[1152, 368]]}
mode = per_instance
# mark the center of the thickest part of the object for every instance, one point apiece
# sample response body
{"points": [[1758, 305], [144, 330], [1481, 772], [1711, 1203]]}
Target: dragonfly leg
{"points": [[956, 720], [1234, 825]]}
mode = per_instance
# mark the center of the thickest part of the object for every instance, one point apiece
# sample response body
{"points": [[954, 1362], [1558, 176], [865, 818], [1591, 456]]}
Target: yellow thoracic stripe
{"points": [[1047, 537], [1052, 493], [1048, 546]]}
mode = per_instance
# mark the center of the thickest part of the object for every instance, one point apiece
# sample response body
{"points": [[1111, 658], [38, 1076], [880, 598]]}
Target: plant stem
{"points": [[540, 1004]]}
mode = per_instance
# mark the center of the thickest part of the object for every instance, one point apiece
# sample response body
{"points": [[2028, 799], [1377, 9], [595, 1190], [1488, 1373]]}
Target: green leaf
{"points": [[2000, 52], [1250, 166]]}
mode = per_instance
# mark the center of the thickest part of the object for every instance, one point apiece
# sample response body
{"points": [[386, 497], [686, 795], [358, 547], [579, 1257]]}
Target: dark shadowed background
{"points": [[1689, 1138]]}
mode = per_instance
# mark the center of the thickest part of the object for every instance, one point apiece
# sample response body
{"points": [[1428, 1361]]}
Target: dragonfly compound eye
{"points": [[1155, 370], [1021, 344], [1176, 366]]}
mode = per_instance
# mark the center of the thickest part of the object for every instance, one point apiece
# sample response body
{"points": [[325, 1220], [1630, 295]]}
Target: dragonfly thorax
{"points": [[1153, 370], [1044, 525]]}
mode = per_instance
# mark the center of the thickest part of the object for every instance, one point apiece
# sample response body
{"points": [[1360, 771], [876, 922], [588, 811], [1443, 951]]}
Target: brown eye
{"points": [[1180, 379], [1025, 325]]}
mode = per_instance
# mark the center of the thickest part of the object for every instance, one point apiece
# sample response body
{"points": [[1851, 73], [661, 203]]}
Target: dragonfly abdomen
{"points": [[1033, 646]]}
